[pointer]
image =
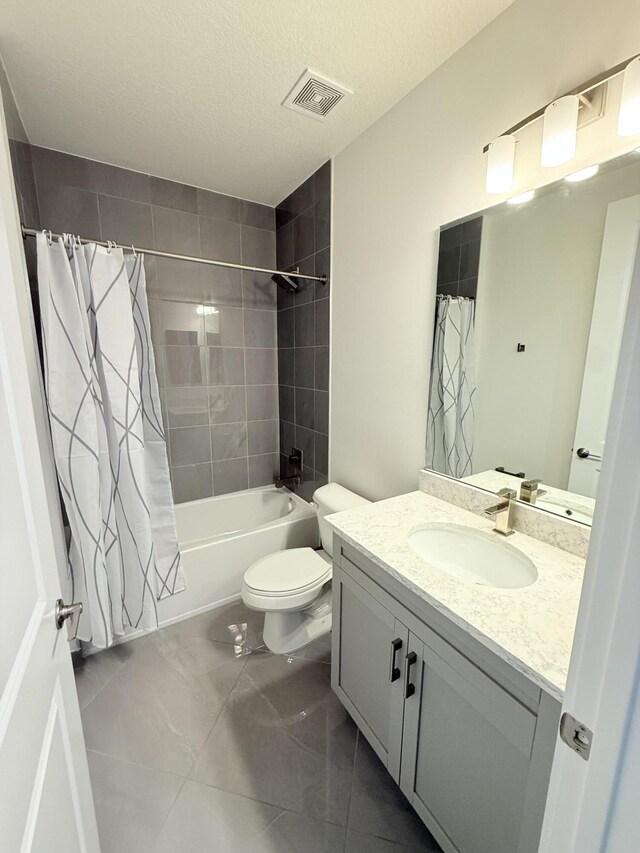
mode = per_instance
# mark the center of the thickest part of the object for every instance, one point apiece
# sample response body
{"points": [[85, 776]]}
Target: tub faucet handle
{"points": [[295, 461], [295, 467]]}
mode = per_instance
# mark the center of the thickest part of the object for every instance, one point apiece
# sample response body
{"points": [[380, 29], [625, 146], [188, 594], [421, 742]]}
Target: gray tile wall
{"points": [[303, 240], [459, 259], [214, 329]]}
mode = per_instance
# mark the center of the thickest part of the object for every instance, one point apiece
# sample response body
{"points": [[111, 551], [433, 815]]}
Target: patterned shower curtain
{"points": [[450, 419], [108, 438]]}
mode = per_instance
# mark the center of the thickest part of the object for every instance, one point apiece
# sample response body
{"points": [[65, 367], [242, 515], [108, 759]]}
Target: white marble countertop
{"points": [[531, 628]]}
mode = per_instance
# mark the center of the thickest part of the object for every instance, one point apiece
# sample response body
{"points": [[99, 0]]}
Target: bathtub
{"points": [[221, 537]]}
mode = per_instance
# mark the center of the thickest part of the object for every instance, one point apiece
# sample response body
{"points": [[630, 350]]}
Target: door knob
{"points": [[70, 612], [583, 453]]}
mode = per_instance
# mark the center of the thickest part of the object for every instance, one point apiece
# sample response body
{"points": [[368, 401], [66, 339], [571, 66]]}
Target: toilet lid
{"points": [[293, 570]]}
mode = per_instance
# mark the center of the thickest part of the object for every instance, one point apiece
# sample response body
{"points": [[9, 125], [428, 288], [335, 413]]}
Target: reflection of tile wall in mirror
{"points": [[550, 283], [459, 259]]}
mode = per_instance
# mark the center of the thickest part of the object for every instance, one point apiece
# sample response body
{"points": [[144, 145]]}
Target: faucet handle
{"points": [[507, 496], [530, 491], [530, 484]]}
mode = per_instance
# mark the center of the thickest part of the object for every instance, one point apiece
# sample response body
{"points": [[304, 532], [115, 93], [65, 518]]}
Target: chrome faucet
{"points": [[502, 512], [529, 491]]}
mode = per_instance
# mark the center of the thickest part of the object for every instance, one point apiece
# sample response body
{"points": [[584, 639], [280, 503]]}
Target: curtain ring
{"points": [[48, 235], [133, 249]]}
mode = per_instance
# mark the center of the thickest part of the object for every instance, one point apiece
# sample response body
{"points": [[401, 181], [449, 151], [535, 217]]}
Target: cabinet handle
{"points": [[394, 671], [409, 688]]}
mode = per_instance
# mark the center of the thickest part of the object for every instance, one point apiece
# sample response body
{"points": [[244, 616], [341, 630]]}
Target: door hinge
{"points": [[576, 735]]}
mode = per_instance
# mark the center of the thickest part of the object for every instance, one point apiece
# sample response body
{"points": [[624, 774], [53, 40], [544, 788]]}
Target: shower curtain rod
{"points": [[32, 232]]}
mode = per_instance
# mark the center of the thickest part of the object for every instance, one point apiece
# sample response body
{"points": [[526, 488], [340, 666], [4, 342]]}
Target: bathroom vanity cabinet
{"points": [[467, 737]]}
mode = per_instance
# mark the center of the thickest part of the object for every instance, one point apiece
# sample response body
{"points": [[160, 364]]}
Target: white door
{"points": [[45, 794], [619, 246], [592, 806]]}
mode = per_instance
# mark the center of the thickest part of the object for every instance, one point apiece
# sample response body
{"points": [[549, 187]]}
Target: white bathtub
{"points": [[221, 537]]}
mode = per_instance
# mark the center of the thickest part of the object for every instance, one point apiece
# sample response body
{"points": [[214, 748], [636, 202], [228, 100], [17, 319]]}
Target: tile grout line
{"points": [[283, 809], [87, 658], [353, 776], [135, 763], [173, 802], [104, 685], [222, 707]]}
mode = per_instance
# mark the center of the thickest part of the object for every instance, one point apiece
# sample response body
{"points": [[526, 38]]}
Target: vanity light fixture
{"points": [[501, 156], [560, 131], [523, 198], [629, 117], [583, 174], [562, 119]]}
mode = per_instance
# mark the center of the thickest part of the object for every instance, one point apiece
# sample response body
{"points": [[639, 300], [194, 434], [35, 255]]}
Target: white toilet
{"points": [[293, 587]]}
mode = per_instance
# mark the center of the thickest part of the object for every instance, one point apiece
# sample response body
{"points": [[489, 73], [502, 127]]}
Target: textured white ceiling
{"points": [[192, 91]]}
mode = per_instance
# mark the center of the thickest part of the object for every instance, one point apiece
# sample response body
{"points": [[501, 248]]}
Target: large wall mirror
{"points": [[531, 301]]}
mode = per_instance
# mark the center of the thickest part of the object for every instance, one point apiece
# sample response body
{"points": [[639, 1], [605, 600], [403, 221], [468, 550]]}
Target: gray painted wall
{"points": [[15, 127], [20, 152], [303, 239]]}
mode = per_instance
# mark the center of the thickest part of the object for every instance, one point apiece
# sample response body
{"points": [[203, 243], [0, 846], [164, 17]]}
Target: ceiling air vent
{"points": [[314, 95]]}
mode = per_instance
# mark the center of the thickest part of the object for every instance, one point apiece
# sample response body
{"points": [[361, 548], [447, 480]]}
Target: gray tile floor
{"points": [[199, 740]]}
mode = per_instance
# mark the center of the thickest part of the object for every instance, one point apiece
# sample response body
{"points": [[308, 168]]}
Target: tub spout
{"points": [[279, 482]]}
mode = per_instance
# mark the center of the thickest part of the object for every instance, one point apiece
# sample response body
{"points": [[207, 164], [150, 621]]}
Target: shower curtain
{"points": [[108, 438], [450, 419]]}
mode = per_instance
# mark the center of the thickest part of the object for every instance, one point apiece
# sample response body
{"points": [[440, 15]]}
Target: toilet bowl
{"points": [[293, 587]]}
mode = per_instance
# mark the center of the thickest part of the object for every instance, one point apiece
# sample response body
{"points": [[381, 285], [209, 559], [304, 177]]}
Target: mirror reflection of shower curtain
{"points": [[108, 438], [450, 418]]}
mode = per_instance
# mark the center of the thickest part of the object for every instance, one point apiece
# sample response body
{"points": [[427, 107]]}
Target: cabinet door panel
{"points": [[466, 755], [362, 677], [507, 715]]}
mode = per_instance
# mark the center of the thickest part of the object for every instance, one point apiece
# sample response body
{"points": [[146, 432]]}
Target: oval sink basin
{"points": [[473, 556]]}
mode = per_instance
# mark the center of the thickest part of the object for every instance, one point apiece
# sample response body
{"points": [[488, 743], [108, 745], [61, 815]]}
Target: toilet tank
{"points": [[329, 499]]}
